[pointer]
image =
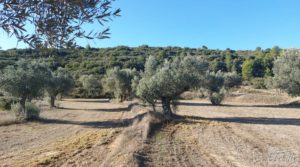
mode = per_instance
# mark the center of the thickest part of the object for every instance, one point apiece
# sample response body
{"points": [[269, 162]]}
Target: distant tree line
{"points": [[83, 63]]}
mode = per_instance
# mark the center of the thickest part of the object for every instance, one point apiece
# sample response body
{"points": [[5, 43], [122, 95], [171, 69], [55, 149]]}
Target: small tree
{"points": [[91, 85], [228, 60], [253, 68], [287, 73], [61, 82], [167, 82], [217, 65], [232, 80], [247, 69], [119, 83], [25, 81], [218, 84], [214, 83]]}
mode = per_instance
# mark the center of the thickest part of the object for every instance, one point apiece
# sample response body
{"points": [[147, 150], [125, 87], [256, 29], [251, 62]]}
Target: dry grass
{"points": [[70, 147], [7, 118], [126, 149], [62, 134]]}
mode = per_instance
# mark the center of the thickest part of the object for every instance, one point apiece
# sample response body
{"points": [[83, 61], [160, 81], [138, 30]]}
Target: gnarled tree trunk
{"points": [[22, 113], [166, 105], [52, 101]]}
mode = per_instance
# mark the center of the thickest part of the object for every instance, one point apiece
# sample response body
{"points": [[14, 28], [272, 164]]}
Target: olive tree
{"points": [[231, 80], [54, 23], [60, 82], [91, 85], [120, 83], [218, 84], [166, 82], [214, 83], [287, 72], [25, 80]]}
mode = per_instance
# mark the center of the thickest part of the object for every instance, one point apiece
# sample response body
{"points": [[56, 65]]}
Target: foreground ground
{"points": [[244, 131]]}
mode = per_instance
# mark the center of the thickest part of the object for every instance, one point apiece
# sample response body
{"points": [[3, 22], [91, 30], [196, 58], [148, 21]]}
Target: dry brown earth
{"points": [[244, 131]]}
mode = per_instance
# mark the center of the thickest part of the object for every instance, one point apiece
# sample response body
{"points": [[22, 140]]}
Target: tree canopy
{"points": [[60, 82], [287, 73], [118, 83], [25, 81], [55, 23], [170, 80]]}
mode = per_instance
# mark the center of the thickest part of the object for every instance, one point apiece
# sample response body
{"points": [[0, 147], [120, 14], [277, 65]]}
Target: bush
{"points": [[252, 68], [258, 83], [218, 84], [232, 80], [216, 98], [91, 86], [6, 102], [287, 72], [118, 82], [32, 111]]}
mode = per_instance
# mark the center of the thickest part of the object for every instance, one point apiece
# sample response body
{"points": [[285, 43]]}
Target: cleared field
{"points": [[64, 133], [96, 133], [230, 135]]}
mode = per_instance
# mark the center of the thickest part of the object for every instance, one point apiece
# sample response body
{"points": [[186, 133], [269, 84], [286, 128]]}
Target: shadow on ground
{"points": [[244, 120], [88, 100], [95, 124], [122, 109], [233, 105]]}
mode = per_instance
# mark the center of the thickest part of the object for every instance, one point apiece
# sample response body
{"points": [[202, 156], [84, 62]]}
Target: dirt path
{"points": [[230, 135], [64, 134]]}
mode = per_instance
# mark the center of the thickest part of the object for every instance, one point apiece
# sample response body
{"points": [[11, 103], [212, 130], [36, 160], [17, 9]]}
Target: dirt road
{"points": [[234, 134]]}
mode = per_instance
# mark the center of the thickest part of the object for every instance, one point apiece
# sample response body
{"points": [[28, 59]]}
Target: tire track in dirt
{"points": [[169, 147], [212, 143]]}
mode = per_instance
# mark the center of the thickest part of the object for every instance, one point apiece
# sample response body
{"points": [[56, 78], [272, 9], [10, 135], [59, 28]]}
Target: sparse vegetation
{"points": [[258, 83]]}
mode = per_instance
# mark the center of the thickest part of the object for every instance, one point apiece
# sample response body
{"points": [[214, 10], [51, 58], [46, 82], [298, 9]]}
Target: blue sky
{"points": [[236, 24]]}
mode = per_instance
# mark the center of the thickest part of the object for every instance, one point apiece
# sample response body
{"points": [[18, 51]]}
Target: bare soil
{"points": [[233, 134], [80, 128], [240, 132]]}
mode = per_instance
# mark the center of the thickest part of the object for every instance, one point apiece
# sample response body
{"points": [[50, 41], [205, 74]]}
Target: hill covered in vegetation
{"points": [[93, 63]]}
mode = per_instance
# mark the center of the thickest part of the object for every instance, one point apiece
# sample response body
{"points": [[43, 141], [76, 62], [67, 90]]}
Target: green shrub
{"points": [[216, 98], [287, 72], [32, 111], [6, 102], [258, 83], [16, 108]]}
